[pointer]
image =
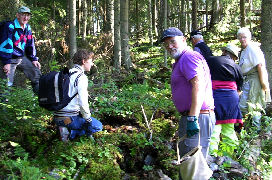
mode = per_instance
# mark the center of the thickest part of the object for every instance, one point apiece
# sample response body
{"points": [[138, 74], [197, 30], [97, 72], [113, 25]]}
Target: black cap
{"points": [[195, 32], [171, 32]]}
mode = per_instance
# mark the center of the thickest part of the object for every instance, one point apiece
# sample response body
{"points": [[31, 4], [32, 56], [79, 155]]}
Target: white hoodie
{"points": [[80, 102]]}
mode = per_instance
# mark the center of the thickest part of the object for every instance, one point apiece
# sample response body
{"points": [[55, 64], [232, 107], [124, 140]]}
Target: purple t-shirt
{"points": [[189, 65]]}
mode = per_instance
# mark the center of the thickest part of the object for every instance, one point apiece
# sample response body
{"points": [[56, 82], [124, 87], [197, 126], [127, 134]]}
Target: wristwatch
{"points": [[191, 118]]}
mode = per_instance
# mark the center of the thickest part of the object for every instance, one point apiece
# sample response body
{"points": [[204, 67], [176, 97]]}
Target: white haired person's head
{"points": [[244, 36], [244, 31], [195, 37]]}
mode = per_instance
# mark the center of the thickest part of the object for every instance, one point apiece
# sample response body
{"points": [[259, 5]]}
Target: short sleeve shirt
{"points": [[251, 56], [188, 66]]}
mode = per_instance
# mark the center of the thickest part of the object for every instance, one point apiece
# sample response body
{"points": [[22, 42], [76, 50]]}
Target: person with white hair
{"points": [[227, 81], [199, 45], [256, 86]]}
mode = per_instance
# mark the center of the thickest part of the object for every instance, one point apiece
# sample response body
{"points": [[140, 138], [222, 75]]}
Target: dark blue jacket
{"points": [[16, 42], [205, 50]]}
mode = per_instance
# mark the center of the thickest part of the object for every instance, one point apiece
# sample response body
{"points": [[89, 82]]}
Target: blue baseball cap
{"points": [[24, 9], [171, 32]]}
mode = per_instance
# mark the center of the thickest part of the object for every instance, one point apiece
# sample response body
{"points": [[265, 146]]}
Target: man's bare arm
{"points": [[197, 95]]}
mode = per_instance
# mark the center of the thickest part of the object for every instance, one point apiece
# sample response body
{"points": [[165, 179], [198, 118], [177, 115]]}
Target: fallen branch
{"points": [[148, 123], [248, 144]]}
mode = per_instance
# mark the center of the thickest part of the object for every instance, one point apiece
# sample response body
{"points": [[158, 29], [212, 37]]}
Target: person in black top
{"points": [[227, 80], [199, 44]]}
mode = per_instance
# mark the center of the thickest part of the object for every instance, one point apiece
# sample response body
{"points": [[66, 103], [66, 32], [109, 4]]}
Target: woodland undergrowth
{"points": [[138, 138]]}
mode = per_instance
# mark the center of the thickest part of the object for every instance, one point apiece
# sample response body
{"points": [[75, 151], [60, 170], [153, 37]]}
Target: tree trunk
{"points": [[84, 19], [137, 22], [149, 19], [54, 16], [242, 13], [163, 24], [207, 14], [188, 19], [72, 29], [110, 18], [266, 35], [104, 20], [163, 17], [154, 17], [95, 14], [79, 17], [96, 19], [125, 34], [89, 17], [250, 9], [194, 14], [215, 13], [117, 38], [182, 16]]}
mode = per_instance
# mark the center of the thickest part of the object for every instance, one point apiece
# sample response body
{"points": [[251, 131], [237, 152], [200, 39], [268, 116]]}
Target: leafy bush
{"points": [[86, 158], [16, 165], [126, 102]]}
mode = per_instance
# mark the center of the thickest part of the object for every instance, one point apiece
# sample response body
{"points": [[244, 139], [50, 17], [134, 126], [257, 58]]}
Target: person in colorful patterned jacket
{"points": [[17, 50]]}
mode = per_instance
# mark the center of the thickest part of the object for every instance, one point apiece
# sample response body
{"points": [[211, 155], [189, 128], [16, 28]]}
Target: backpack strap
{"points": [[76, 81], [66, 71], [75, 84]]}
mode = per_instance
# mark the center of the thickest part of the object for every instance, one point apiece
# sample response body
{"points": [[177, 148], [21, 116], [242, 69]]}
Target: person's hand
{"points": [[238, 127], [6, 68], [36, 64], [88, 122], [264, 87], [192, 126]]}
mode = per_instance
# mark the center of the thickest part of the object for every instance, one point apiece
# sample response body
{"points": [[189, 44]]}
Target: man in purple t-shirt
{"points": [[191, 92]]}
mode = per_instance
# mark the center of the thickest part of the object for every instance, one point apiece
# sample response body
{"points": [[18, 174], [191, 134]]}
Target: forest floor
{"points": [[139, 134]]}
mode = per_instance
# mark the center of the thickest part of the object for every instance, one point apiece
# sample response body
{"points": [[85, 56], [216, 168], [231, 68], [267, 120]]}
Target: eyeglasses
{"points": [[25, 14], [170, 42], [242, 37]]}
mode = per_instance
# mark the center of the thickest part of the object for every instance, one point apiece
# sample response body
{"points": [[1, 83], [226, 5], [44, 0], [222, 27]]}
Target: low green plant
{"points": [[116, 151], [147, 168], [86, 158], [163, 128], [20, 167], [54, 65], [249, 135], [126, 102], [227, 147]]}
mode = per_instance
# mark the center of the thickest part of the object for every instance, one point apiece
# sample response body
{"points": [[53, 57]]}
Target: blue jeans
{"points": [[78, 127]]}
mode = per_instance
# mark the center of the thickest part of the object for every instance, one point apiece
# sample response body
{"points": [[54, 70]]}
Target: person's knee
{"points": [[96, 125], [35, 88]]}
